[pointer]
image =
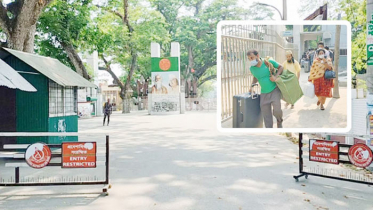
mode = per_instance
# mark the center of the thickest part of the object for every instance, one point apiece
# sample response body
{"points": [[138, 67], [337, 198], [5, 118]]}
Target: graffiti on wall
{"points": [[84, 110]]}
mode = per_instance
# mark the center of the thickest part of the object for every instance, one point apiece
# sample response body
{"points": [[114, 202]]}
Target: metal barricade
{"points": [[334, 160], [15, 156]]}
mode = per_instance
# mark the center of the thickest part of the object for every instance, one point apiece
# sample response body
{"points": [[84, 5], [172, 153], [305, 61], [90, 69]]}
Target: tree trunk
{"points": [[75, 59], [20, 30], [127, 85], [336, 61]]}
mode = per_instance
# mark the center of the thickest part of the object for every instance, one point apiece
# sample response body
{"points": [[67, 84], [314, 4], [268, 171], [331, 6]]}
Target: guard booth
{"points": [[52, 108]]}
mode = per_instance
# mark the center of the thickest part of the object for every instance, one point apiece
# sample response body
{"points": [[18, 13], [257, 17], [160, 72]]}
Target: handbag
{"points": [[329, 74], [288, 84]]}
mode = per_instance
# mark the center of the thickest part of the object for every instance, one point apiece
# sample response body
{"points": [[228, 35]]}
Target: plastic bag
{"points": [[309, 90]]}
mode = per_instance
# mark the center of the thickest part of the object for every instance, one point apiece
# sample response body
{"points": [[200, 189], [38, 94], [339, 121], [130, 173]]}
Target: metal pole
{"points": [[107, 160], [300, 143], [284, 10], [17, 174], [282, 18]]}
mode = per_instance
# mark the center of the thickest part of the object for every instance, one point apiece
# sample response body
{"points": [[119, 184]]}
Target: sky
{"points": [[292, 7]]}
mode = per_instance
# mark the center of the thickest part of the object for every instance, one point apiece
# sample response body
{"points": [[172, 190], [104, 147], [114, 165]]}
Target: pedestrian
{"points": [[331, 54], [108, 109], [270, 97], [321, 46], [292, 65], [323, 87]]}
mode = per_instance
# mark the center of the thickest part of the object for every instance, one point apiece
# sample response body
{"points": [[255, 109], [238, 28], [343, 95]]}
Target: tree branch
{"points": [[202, 70], [206, 79], [110, 71], [125, 18], [111, 11]]}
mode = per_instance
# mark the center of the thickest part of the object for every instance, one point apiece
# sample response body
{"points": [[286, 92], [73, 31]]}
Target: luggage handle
{"points": [[254, 96]]}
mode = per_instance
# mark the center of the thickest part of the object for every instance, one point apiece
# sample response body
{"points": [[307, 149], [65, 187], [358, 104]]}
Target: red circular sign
{"points": [[360, 155], [164, 64], [38, 155]]}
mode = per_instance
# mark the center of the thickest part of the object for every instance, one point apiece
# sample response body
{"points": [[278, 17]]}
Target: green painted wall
{"points": [[66, 123], [31, 107]]}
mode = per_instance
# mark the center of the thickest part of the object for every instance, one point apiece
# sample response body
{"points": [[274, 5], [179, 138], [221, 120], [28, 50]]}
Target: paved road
{"points": [[182, 162]]}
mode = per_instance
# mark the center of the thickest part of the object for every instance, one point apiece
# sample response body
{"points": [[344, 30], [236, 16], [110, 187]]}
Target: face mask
{"points": [[254, 62], [321, 56]]}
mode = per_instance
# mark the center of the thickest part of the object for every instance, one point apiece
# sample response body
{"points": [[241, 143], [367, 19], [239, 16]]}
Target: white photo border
{"points": [[282, 130]]}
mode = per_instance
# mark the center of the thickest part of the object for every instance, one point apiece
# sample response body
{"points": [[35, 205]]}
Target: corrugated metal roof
{"points": [[53, 69], [11, 79]]}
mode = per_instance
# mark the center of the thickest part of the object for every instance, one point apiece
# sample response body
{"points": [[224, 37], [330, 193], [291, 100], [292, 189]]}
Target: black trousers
{"points": [[108, 118]]}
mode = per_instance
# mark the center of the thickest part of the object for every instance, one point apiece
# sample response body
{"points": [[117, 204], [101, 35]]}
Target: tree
{"points": [[355, 13], [60, 27], [336, 61], [123, 35], [196, 31], [18, 21]]}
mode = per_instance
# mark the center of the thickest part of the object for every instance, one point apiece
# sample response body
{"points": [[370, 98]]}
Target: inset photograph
{"points": [[285, 75]]}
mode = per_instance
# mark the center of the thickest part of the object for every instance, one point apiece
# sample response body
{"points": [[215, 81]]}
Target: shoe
{"points": [[279, 124], [292, 106], [322, 107]]}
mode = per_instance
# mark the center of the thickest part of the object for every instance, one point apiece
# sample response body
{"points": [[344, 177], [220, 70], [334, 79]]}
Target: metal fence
{"points": [[191, 104], [236, 40]]}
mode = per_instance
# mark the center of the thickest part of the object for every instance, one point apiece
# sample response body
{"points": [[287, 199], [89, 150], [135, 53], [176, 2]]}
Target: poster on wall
{"points": [[165, 76]]}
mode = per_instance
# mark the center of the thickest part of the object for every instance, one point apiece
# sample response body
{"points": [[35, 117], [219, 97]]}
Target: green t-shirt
{"points": [[263, 75]]}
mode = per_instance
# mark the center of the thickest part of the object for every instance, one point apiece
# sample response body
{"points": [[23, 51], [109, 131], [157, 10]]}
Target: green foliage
{"points": [[62, 21], [355, 13]]}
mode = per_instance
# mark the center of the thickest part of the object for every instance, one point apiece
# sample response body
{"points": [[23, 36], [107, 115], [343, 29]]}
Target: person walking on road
{"points": [[292, 65], [270, 97], [323, 87], [108, 109]]}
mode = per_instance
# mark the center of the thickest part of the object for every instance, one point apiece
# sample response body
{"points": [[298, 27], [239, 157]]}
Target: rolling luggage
{"points": [[246, 111]]}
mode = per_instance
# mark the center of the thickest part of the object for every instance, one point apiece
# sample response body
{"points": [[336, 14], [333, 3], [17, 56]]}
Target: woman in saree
{"points": [[323, 87]]}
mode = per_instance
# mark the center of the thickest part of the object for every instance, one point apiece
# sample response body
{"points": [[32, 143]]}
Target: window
{"points": [[70, 101], [62, 100], [343, 52]]}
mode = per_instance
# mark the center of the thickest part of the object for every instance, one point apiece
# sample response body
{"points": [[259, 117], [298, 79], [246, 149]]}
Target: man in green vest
{"points": [[270, 94]]}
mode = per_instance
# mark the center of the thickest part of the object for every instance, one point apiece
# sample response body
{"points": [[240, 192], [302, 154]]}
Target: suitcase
{"points": [[246, 111]]}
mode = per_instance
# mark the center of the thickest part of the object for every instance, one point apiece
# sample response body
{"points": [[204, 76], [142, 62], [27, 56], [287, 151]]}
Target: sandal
{"points": [[318, 103]]}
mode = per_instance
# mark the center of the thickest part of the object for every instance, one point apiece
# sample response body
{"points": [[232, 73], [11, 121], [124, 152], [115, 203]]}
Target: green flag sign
{"points": [[165, 64], [370, 45]]}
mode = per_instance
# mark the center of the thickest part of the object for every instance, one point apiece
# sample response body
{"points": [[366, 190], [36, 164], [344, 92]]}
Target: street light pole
{"points": [[284, 10], [262, 4]]}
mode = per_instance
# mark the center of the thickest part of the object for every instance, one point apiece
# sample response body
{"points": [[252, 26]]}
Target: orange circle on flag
{"points": [[164, 64]]}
